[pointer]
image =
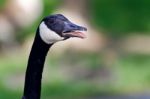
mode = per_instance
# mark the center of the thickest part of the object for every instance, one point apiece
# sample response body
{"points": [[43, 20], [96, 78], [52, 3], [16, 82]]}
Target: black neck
{"points": [[32, 88]]}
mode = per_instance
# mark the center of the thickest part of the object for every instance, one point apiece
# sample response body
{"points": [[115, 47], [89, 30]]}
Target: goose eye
{"points": [[51, 21]]}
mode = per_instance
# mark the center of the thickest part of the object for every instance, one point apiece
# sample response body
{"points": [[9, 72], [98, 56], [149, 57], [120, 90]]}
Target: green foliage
{"points": [[50, 6], [2, 3], [6, 93], [119, 17], [132, 74]]}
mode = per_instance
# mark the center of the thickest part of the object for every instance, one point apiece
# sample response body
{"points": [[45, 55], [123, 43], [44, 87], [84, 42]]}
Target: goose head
{"points": [[57, 27]]}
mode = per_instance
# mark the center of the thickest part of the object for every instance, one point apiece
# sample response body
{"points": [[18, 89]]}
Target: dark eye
{"points": [[51, 21]]}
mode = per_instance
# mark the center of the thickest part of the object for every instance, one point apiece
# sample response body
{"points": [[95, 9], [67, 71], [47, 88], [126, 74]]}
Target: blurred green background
{"points": [[113, 60]]}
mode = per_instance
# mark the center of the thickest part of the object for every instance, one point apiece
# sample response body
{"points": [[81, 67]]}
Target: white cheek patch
{"points": [[47, 35]]}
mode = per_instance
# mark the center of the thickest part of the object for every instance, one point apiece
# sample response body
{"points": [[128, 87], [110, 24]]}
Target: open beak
{"points": [[73, 30]]}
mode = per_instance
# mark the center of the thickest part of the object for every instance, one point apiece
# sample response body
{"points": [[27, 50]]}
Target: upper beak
{"points": [[73, 30]]}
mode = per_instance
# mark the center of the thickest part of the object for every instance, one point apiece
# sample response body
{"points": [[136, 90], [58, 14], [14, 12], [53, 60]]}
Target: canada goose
{"points": [[52, 29]]}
